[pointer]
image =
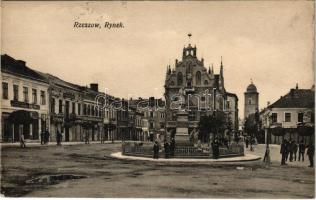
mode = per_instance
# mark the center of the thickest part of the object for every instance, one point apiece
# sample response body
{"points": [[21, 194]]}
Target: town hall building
{"points": [[193, 91]]}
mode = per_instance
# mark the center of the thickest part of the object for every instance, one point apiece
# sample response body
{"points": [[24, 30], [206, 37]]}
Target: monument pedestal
{"points": [[182, 131]]}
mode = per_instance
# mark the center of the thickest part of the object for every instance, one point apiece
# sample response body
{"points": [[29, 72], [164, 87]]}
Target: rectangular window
{"points": [[88, 110], [52, 106], [84, 109], [60, 110], [43, 98], [26, 94], [79, 109], [300, 117], [73, 107], [5, 90], [15, 92], [274, 117], [227, 104], [34, 96], [287, 117]]}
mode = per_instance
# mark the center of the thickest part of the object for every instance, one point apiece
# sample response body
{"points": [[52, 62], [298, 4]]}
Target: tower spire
{"points": [[221, 70], [212, 69]]}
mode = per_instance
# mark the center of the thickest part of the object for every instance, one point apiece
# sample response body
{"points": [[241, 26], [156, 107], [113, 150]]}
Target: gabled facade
{"points": [[205, 89], [291, 112]]}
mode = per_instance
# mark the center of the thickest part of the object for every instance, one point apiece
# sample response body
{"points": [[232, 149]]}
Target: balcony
{"points": [[21, 104]]}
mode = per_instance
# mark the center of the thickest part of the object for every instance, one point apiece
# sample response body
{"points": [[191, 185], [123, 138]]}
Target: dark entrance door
{"points": [[92, 133]]}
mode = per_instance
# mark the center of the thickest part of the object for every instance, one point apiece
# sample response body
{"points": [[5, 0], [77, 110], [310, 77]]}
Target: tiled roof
{"points": [[296, 98], [19, 68], [60, 82]]}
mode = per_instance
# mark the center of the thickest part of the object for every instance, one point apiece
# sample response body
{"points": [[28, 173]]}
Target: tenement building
{"points": [[149, 118], [193, 91], [24, 101], [291, 117]]}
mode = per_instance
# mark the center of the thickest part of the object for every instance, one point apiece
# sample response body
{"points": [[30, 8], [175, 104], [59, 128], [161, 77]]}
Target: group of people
{"points": [[289, 150], [169, 148], [45, 137]]}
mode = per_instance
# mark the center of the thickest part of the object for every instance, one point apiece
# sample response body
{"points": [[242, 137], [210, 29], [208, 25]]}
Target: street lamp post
{"points": [[267, 159]]}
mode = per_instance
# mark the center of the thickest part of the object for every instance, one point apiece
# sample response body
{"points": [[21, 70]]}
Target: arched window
{"points": [[180, 78], [205, 82], [249, 101], [198, 78]]}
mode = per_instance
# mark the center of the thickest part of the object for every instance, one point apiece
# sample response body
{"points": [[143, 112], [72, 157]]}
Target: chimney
{"points": [[94, 87], [296, 86], [268, 103], [292, 92]]}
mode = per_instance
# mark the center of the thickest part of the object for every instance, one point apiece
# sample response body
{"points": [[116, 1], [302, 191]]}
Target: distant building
{"points": [[24, 101], [149, 121], [292, 116], [251, 100]]}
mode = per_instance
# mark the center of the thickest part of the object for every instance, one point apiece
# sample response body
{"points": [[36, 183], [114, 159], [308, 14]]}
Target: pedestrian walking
{"points": [[310, 152], [283, 152], [301, 151], [156, 150], [22, 141]]}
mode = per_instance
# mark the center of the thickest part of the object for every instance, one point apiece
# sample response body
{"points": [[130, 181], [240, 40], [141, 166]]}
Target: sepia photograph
{"points": [[158, 99]]}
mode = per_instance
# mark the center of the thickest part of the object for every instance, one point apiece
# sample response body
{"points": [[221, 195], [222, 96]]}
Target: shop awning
{"points": [[22, 117]]}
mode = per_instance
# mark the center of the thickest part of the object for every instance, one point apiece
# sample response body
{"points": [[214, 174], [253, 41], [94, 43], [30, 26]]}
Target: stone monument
{"points": [[182, 130]]}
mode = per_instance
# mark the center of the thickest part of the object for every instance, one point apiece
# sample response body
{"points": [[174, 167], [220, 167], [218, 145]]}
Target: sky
{"points": [[269, 42]]}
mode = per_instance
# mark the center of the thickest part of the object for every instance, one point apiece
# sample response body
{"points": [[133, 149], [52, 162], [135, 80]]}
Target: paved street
{"points": [[104, 176]]}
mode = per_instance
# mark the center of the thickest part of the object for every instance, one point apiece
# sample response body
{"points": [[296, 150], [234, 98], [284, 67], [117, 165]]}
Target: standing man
{"points": [[295, 148], [47, 135], [310, 152], [291, 149], [283, 152], [247, 141], [215, 148], [59, 137], [87, 137], [301, 151], [156, 150], [172, 147], [287, 149], [42, 137], [167, 149]]}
